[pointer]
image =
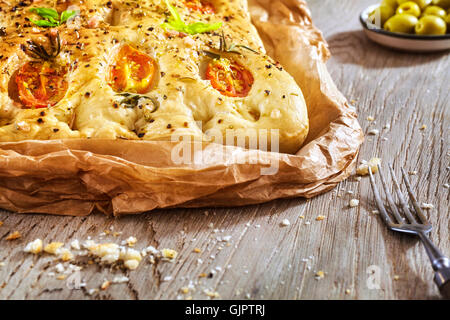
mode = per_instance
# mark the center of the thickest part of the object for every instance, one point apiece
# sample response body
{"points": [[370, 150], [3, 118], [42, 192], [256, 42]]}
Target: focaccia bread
{"points": [[119, 70]]}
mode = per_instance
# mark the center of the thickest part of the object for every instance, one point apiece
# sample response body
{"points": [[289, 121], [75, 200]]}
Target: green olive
{"points": [[442, 3], [422, 3], [409, 7], [447, 19], [390, 3], [402, 23], [435, 11], [381, 14], [431, 25]]}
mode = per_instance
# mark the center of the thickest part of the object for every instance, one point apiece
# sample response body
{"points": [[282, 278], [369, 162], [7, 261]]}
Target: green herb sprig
{"points": [[132, 100], [51, 18], [224, 48], [177, 24]]}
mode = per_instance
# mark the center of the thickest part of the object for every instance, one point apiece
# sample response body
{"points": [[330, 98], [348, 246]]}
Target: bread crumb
{"points": [[75, 244], [354, 203], [320, 275], [13, 236], [184, 290], [363, 169], [348, 291], [212, 294], [374, 132], [285, 223], [169, 254], [34, 247], [427, 206], [120, 279], [197, 250], [396, 278], [370, 118], [61, 277], [320, 218], [66, 255], [131, 241], [423, 127], [53, 247], [105, 285]]}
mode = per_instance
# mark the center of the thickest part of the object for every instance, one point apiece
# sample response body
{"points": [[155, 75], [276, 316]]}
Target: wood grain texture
{"points": [[266, 260]]}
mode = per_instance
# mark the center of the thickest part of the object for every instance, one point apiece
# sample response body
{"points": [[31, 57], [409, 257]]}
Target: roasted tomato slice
{"points": [[41, 84], [132, 71], [200, 5], [229, 78]]}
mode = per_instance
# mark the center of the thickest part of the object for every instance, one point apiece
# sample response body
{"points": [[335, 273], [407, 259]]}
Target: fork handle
{"points": [[442, 279], [441, 264]]}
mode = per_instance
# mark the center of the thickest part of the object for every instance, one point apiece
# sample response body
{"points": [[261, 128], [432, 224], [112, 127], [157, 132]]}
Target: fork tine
{"points": [[378, 200], [413, 198], [390, 200], [401, 197]]}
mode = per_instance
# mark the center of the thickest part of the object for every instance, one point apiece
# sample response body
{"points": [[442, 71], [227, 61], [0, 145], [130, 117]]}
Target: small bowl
{"points": [[402, 41]]}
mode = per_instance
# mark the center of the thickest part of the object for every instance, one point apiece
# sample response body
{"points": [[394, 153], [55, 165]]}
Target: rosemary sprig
{"points": [[224, 48], [38, 51], [131, 100]]}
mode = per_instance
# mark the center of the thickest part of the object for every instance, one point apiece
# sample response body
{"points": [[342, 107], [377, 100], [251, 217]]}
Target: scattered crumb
{"points": [[169, 254], [285, 223], [374, 132], [1, 223], [354, 203], [91, 292], [423, 127], [348, 291], [370, 118], [302, 217], [320, 275], [396, 278], [427, 206], [363, 169], [446, 186], [120, 279], [66, 255], [211, 294], [184, 290], [131, 241], [13, 236], [75, 244], [59, 268], [34, 247], [53, 247], [61, 277], [412, 173], [197, 250], [105, 285], [320, 218], [387, 126]]}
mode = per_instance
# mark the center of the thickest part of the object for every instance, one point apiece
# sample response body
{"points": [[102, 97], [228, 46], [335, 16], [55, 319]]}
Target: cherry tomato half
{"points": [[132, 71], [205, 7], [41, 84], [229, 78]]}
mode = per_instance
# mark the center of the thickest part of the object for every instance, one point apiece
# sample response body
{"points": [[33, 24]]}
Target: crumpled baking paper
{"points": [[76, 177]]}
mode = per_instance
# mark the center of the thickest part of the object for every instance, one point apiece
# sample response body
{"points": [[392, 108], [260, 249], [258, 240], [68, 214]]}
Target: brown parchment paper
{"points": [[75, 177]]}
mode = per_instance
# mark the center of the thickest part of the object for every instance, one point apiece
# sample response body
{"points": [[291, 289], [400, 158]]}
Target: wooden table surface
{"points": [[361, 259]]}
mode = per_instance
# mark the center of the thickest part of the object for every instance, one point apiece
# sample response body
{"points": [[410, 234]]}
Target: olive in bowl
{"points": [[431, 25]]}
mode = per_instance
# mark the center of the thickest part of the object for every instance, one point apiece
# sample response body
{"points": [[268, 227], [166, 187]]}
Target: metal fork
{"points": [[409, 224]]}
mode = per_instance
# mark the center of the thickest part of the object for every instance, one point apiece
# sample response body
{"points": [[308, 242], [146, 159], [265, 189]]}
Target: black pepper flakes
{"points": [[40, 120]]}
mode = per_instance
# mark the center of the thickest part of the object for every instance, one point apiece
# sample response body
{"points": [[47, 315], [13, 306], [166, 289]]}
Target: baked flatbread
{"points": [[129, 70]]}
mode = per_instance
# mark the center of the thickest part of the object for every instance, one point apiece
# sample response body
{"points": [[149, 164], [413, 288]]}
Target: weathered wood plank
{"points": [[267, 260]]}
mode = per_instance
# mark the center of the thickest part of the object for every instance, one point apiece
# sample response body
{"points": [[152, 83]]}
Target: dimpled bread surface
{"points": [[182, 101]]}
